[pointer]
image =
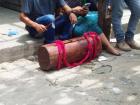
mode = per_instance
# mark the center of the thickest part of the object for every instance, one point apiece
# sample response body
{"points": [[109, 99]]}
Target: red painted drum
{"points": [[69, 53]]}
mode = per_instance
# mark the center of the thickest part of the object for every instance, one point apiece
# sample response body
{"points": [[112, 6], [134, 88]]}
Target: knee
{"points": [[46, 19], [50, 17], [117, 10], [64, 18], [136, 12], [116, 17], [117, 14]]}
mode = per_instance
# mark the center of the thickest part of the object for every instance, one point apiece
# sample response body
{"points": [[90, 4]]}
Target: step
{"points": [[16, 46]]}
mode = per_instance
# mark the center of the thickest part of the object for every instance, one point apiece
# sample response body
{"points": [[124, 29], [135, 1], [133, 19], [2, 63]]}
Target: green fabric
{"points": [[87, 23], [84, 1]]}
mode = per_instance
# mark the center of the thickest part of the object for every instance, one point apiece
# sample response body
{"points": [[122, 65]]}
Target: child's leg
{"points": [[32, 31], [49, 35], [46, 19], [108, 46], [64, 27]]}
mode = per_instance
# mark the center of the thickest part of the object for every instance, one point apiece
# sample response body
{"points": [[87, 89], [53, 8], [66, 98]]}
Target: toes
{"points": [[116, 52]]}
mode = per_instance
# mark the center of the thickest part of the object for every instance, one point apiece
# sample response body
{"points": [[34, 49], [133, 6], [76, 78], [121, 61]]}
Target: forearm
{"points": [[27, 20], [67, 9]]}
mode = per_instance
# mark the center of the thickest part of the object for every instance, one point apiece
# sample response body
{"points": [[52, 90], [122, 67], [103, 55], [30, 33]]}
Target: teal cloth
{"points": [[87, 23]]}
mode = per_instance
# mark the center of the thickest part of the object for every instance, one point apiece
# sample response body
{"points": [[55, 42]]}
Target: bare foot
{"points": [[113, 51]]}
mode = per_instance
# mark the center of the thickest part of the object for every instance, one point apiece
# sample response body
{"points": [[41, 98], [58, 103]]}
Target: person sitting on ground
{"points": [[38, 15], [89, 22]]}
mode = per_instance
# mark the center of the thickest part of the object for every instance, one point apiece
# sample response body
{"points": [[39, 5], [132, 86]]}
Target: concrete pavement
{"points": [[114, 81]]}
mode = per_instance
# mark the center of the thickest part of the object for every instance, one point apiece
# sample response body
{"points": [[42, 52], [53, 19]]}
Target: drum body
{"points": [[75, 49]]}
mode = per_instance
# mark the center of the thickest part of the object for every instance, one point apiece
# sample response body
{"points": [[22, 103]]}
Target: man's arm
{"points": [[27, 20], [72, 16], [73, 11], [38, 27], [77, 10]]}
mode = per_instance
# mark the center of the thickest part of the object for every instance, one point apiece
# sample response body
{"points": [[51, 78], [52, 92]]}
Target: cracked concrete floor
{"points": [[114, 81]]}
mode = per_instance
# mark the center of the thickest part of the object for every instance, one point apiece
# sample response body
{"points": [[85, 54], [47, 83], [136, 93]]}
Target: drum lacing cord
{"points": [[90, 54]]}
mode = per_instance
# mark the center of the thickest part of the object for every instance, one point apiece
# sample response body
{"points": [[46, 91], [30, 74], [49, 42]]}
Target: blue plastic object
{"points": [[12, 32], [87, 23]]}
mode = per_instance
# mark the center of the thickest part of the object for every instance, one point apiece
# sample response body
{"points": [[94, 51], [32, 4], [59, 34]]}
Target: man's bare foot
{"points": [[113, 51]]}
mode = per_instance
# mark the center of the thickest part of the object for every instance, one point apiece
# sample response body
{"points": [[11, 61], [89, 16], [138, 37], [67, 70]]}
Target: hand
{"points": [[83, 13], [73, 18], [77, 9], [80, 10], [40, 28]]}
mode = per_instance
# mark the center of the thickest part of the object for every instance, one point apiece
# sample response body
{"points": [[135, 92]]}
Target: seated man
{"points": [[89, 22], [64, 22], [38, 15]]}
